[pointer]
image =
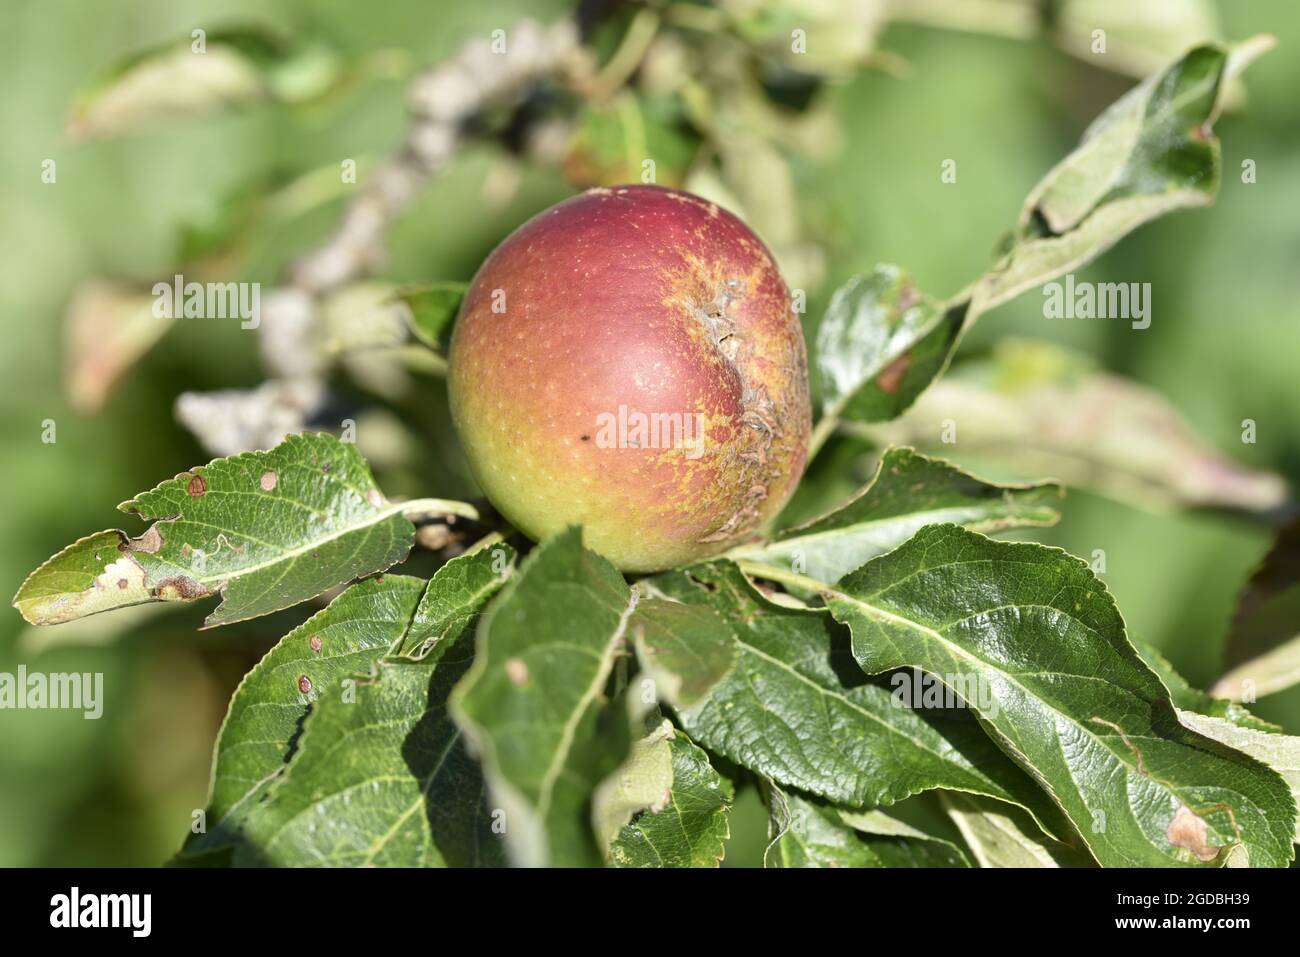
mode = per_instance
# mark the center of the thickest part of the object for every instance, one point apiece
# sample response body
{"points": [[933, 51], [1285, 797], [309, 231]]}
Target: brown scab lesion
{"points": [[179, 588], [197, 486], [718, 319]]}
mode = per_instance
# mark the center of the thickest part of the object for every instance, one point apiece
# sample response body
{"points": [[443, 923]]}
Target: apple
{"points": [[629, 361]]}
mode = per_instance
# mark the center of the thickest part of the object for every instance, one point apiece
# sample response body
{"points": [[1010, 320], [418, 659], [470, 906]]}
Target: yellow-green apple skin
{"points": [[629, 361]]}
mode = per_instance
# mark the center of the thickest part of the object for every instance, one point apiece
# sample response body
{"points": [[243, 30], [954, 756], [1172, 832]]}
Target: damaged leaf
{"points": [[1152, 152], [264, 721], [406, 793], [687, 826], [881, 343], [226, 528], [642, 782], [109, 326], [451, 603], [1281, 752]]}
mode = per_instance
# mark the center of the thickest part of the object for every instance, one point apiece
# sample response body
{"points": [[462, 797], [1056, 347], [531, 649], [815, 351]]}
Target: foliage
{"points": [[554, 713]]}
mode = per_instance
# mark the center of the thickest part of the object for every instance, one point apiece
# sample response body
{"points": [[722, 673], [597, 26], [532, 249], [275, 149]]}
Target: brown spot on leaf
{"points": [[304, 684], [122, 583], [179, 588], [517, 671], [1187, 830], [269, 481], [891, 377], [198, 486], [315, 643]]}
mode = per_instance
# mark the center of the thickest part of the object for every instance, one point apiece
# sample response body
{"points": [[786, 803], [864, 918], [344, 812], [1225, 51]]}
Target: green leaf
{"points": [[1150, 153], [532, 706], [1035, 408], [793, 707], [806, 833], [1187, 698], [431, 310], [613, 140], [456, 594], [1032, 641], [908, 492], [363, 624], [882, 342], [685, 650], [266, 713], [1281, 752], [1264, 640], [643, 781], [265, 530], [235, 68], [687, 824], [1000, 835], [384, 780]]}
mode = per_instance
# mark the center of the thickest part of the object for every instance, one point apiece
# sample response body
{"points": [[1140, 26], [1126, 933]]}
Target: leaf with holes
{"points": [[1034, 644], [359, 627], [265, 530], [384, 779], [266, 713]]}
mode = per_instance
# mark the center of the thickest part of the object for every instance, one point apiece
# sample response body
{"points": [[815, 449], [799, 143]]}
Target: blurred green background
{"points": [[1223, 345]]}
